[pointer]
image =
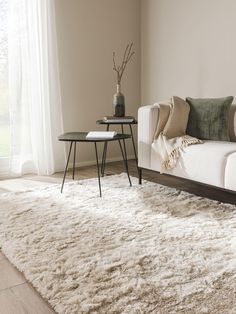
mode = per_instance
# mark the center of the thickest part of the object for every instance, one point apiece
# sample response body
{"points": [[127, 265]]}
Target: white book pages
{"points": [[101, 134], [119, 120]]}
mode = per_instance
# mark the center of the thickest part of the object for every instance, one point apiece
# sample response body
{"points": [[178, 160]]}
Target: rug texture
{"points": [[140, 249]]}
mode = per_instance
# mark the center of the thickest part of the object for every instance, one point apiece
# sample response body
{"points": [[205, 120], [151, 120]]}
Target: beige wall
{"points": [[88, 32], [188, 48]]}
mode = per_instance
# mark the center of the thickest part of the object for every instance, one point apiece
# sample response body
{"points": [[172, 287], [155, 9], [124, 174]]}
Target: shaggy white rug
{"points": [[145, 249]]}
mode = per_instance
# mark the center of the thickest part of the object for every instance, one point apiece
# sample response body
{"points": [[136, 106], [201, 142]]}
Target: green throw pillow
{"points": [[208, 118]]}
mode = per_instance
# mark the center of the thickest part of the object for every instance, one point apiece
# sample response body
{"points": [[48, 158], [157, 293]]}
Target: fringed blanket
{"points": [[170, 138]]}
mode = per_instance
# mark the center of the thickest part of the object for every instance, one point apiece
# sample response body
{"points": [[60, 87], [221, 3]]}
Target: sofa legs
{"points": [[140, 175]]}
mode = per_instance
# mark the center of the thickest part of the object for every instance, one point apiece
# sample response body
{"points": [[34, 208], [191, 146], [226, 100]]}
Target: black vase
{"points": [[119, 103]]}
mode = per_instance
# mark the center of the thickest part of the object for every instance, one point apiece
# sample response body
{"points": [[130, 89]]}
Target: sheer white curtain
{"points": [[34, 89]]}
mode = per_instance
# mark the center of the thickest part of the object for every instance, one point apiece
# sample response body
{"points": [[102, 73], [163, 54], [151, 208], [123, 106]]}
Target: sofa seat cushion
{"points": [[206, 163]]}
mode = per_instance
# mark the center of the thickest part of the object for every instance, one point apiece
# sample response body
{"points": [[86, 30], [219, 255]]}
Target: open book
{"points": [[101, 134]]}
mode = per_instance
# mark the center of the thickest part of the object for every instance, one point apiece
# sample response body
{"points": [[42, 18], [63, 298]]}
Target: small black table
{"points": [[74, 137], [129, 123]]}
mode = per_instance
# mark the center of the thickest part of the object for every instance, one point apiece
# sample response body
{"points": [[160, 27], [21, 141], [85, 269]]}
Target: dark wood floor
{"points": [[18, 296]]}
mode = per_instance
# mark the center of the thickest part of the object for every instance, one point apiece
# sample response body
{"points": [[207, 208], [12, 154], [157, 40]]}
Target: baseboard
{"points": [[93, 162], [60, 168]]}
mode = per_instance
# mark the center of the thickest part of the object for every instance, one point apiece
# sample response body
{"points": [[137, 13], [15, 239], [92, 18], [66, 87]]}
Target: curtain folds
{"points": [[34, 89]]}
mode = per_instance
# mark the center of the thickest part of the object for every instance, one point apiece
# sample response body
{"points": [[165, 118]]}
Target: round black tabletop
{"points": [[116, 122], [81, 137]]}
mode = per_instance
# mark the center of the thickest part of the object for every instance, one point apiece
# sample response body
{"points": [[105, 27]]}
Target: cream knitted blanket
{"points": [[170, 137]]}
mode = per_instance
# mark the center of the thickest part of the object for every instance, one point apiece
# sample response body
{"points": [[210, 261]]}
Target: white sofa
{"points": [[212, 163]]}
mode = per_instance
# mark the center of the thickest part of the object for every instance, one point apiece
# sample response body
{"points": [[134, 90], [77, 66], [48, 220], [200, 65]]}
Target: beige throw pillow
{"points": [[163, 115], [178, 118]]}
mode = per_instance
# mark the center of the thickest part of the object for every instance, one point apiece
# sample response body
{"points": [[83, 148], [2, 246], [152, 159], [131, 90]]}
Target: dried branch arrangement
{"points": [[126, 58]]}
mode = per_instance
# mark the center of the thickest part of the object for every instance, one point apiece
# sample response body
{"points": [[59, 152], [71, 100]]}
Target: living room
{"points": [[132, 220]]}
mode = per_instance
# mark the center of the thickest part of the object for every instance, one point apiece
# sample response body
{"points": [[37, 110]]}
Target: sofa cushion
{"points": [[164, 112], [209, 118], [177, 122], [205, 163]]}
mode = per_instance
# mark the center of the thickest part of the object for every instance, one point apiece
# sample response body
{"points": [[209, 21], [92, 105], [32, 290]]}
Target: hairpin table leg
{"points": [[73, 176], [124, 155], [67, 163], [99, 182], [104, 155]]}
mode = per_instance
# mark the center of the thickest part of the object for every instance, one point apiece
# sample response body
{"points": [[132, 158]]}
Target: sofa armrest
{"points": [[147, 121]]}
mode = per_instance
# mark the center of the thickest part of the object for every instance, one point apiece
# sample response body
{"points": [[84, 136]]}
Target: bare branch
{"points": [[126, 58], [114, 62], [130, 56], [116, 69], [126, 49], [130, 47]]}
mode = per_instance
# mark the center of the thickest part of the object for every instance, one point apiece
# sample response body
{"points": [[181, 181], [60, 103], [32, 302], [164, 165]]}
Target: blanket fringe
{"points": [[186, 141]]}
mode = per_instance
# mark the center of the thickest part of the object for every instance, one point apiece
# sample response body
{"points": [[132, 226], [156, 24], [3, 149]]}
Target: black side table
{"points": [[104, 155], [75, 137]]}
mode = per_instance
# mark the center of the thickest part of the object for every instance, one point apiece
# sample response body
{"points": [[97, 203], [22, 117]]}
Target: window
{"points": [[4, 109]]}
